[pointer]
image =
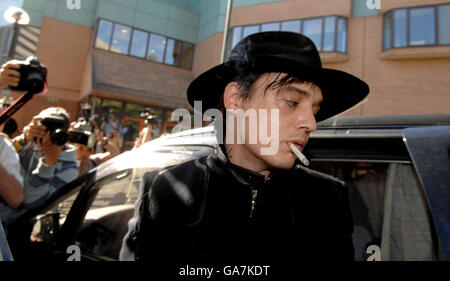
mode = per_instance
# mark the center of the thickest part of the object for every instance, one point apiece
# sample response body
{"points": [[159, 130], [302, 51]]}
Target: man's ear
{"points": [[231, 96]]}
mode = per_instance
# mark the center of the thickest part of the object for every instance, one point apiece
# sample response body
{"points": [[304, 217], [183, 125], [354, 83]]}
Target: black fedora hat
{"points": [[285, 52]]}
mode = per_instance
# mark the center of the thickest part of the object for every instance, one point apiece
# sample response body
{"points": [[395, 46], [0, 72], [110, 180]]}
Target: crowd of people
{"points": [[34, 163]]}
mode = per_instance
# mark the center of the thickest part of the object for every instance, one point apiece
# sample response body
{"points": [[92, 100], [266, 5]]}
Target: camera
{"points": [[33, 75], [86, 138], [150, 117], [57, 125], [83, 125]]}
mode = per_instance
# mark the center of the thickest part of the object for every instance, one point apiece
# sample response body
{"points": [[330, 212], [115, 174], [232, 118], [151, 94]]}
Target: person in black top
{"points": [[249, 202]]}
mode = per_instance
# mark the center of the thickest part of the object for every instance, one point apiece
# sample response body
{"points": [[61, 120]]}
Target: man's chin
{"points": [[280, 162]]}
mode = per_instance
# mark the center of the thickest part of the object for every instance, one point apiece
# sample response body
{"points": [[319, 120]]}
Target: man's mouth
{"points": [[299, 144], [295, 148]]}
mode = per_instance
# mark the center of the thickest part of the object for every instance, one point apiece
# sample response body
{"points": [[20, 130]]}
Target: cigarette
{"points": [[298, 153]]}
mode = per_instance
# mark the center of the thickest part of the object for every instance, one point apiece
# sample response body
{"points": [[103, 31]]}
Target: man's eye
{"points": [[291, 103]]}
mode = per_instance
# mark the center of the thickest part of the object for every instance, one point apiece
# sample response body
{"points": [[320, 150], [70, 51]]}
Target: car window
{"points": [[65, 203], [388, 207], [106, 222]]}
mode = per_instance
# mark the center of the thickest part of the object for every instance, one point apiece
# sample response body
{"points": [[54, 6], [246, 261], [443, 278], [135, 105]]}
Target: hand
{"points": [[72, 125], [34, 130], [100, 137], [9, 75], [49, 150]]}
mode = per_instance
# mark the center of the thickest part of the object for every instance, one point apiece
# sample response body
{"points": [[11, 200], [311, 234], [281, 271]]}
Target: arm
{"points": [[32, 131], [111, 151], [11, 179], [10, 189]]}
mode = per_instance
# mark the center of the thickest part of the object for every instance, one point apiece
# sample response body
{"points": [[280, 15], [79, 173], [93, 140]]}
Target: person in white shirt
{"points": [[11, 183]]}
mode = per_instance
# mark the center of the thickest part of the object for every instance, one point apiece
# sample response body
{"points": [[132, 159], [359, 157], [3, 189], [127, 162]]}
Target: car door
{"points": [[98, 217], [28, 242], [391, 214], [430, 152]]}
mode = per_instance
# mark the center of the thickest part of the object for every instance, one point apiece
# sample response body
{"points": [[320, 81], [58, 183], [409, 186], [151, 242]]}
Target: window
{"points": [[293, 26], [444, 20], [387, 31], [385, 199], [422, 27], [186, 54], [237, 35], [105, 224], [126, 40], [249, 30], [400, 28], [329, 34], [103, 35], [313, 29], [342, 35], [121, 39], [156, 48], [172, 51], [139, 43], [270, 27], [417, 26]]}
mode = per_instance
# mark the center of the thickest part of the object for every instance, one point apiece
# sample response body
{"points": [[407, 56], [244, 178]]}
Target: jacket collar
{"points": [[220, 163]]}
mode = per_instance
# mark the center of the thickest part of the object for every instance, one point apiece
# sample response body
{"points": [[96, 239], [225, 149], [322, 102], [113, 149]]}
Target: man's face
{"points": [[45, 143], [297, 103], [83, 153]]}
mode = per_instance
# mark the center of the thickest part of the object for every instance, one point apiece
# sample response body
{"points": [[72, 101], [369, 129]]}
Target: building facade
{"points": [[124, 55]]}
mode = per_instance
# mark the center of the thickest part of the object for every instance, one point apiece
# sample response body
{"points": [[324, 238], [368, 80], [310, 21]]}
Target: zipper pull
{"points": [[254, 195]]}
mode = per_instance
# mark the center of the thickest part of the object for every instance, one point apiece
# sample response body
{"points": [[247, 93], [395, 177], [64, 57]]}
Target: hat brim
{"points": [[340, 90]]}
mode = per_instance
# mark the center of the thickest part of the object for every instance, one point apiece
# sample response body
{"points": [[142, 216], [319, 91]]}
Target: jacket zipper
{"points": [[253, 203]]}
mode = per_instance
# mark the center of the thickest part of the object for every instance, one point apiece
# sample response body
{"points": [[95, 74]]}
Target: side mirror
{"points": [[46, 228]]}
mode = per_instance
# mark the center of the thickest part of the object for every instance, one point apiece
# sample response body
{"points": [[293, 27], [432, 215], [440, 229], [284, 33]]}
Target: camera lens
{"points": [[34, 82], [58, 137]]}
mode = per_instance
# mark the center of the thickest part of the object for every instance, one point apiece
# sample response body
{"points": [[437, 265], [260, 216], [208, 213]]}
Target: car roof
{"points": [[164, 151], [385, 121]]}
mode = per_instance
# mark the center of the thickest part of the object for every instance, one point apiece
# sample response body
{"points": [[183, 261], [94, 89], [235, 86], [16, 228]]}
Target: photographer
{"points": [[47, 161], [87, 156]]}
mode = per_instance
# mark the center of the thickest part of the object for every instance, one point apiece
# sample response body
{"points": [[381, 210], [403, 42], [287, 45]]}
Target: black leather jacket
{"points": [[211, 211]]}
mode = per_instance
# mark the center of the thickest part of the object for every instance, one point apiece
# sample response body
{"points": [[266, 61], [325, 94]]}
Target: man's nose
{"points": [[306, 120]]}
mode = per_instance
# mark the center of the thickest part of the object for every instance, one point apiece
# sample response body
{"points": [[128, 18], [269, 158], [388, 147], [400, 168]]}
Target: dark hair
{"points": [[56, 111], [246, 74], [10, 127]]}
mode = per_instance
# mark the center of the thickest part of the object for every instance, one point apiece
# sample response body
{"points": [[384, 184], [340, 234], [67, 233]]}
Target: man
{"points": [[239, 205], [88, 159], [46, 166]]}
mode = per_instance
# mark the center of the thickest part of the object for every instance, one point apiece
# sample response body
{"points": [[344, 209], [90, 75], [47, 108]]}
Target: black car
{"points": [[396, 169]]}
